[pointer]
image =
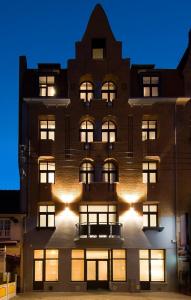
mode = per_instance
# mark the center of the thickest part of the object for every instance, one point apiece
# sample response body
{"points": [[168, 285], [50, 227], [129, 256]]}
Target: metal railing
{"points": [[101, 230]]}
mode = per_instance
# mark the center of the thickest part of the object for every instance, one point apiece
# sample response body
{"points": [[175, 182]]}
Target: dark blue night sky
{"points": [[46, 31]]}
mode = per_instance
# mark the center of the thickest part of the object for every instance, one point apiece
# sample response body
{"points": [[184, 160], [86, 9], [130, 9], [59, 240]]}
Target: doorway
{"points": [[97, 274]]}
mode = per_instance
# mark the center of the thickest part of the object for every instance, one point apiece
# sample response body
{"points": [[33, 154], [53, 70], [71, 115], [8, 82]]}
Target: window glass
{"points": [[51, 270], [144, 253], [145, 221], [119, 270], [42, 221], [97, 254], [152, 177], [51, 253], [38, 274], [144, 270], [51, 219], [43, 177], [38, 254], [157, 270], [119, 253], [77, 253], [77, 270], [153, 220]]}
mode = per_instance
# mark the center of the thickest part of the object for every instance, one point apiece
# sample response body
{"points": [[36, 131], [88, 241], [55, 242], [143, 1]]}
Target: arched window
{"points": [[86, 132], [86, 172], [109, 172], [86, 91], [109, 132], [108, 91]]}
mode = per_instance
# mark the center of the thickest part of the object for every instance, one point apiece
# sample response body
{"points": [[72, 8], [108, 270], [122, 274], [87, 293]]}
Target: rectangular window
{"points": [[152, 265], [46, 172], [5, 228], [47, 130], [119, 265], [149, 172], [150, 86], [46, 216], [47, 86], [98, 214], [77, 265], [46, 265], [98, 48], [149, 130], [150, 215]]}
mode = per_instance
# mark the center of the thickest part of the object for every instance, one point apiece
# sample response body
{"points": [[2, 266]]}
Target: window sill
{"points": [[46, 228], [157, 228]]}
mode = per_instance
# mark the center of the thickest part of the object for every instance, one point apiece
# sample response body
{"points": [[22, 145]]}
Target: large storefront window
{"points": [[46, 265], [152, 265], [94, 265]]}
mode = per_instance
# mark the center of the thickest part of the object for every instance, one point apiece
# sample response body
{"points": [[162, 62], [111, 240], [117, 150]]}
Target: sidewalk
{"points": [[102, 296]]}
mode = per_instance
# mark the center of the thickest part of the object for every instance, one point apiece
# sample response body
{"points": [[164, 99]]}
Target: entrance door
{"points": [[97, 274], [38, 275]]}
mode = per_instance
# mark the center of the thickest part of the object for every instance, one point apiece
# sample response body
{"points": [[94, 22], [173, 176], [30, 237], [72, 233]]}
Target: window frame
{"points": [[5, 228], [148, 172], [150, 259], [47, 214], [151, 213], [87, 132], [150, 85], [47, 171], [146, 131], [110, 172], [87, 92], [98, 44], [44, 260], [46, 85], [111, 93], [109, 131], [89, 212], [47, 130], [87, 172]]}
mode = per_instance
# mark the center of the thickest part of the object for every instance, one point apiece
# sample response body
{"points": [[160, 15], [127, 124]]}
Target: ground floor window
{"points": [[152, 265], [98, 265], [46, 265]]}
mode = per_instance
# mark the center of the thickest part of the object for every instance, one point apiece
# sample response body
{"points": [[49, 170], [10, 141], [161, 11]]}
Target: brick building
{"points": [[105, 169]]}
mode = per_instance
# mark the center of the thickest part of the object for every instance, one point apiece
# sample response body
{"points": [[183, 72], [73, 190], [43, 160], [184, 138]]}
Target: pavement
{"points": [[102, 296]]}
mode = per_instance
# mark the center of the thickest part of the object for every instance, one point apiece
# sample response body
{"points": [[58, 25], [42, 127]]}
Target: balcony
{"points": [[91, 230]]}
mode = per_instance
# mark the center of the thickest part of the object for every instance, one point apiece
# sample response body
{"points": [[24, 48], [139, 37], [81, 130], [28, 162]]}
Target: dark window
{"points": [[150, 215], [5, 228], [150, 86], [86, 172], [86, 132], [108, 91], [149, 130], [98, 48]]}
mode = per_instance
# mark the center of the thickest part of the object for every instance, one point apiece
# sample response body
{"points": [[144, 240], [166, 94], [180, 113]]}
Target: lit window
{"points": [[98, 214], [77, 266], [5, 228], [98, 48], [150, 86], [86, 172], [86, 132], [150, 215], [86, 91], [47, 172], [108, 91], [47, 86], [47, 130], [149, 172], [109, 172], [109, 132], [149, 130], [119, 265], [152, 265], [46, 216], [46, 265]]}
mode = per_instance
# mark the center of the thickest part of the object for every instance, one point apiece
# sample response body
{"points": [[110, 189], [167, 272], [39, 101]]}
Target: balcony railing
{"points": [[5, 234], [102, 230]]}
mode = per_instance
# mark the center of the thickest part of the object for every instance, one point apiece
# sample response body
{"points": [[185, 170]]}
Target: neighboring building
{"points": [[11, 234], [105, 169]]}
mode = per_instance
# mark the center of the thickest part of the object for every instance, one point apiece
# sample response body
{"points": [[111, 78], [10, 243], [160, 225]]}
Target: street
{"points": [[102, 295]]}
